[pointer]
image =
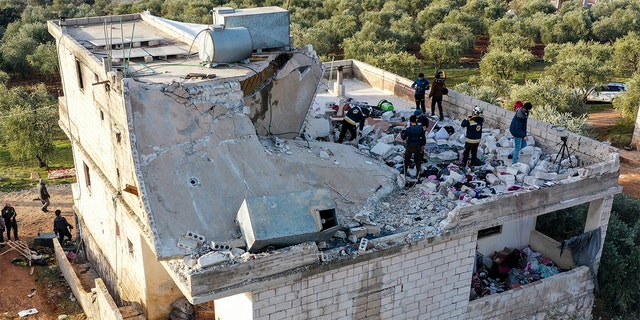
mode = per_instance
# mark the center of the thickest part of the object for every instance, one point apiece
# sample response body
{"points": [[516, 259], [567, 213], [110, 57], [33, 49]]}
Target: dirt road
{"points": [[52, 296]]}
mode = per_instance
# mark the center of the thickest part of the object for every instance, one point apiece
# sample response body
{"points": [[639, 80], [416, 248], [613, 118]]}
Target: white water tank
{"points": [[224, 45]]}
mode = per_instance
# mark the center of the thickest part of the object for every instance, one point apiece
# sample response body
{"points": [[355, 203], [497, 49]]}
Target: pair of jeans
{"points": [[519, 144]]}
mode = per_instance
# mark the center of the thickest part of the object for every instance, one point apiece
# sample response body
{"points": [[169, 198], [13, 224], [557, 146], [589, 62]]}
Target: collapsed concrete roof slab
{"points": [[197, 166]]}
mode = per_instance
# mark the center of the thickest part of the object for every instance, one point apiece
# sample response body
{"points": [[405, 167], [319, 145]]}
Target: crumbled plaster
{"points": [[415, 209]]}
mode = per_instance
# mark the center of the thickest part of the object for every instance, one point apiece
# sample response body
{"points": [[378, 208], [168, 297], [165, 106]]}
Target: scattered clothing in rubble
{"points": [[509, 269]]}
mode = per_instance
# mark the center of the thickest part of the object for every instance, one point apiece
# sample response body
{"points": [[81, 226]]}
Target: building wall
{"points": [[565, 295], [429, 279], [515, 234], [94, 119]]}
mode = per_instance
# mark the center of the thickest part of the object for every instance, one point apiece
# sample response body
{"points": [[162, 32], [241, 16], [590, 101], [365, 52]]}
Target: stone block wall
{"points": [[457, 105], [569, 294], [429, 279]]}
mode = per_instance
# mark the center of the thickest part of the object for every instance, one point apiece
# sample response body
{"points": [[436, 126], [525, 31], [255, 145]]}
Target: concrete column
{"points": [[635, 139], [160, 289], [598, 216], [338, 87]]}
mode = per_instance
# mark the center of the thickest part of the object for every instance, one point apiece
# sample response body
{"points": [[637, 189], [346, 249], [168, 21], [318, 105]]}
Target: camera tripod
{"points": [[563, 154]]}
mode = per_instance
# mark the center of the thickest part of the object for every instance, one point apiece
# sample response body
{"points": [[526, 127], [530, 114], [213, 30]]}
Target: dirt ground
{"points": [[52, 295], [629, 160]]}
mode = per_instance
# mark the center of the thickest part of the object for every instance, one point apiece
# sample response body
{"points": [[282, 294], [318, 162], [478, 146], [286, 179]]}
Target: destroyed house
{"points": [[193, 182]]}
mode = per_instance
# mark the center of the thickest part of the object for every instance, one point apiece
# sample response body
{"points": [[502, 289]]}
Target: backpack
{"points": [[385, 105]]}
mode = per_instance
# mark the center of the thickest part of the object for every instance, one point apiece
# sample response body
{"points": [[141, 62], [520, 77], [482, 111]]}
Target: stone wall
{"points": [[568, 294], [96, 304], [429, 279], [457, 105]]}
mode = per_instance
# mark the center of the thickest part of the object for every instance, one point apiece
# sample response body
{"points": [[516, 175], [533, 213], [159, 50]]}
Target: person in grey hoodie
{"points": [[44, 195]]}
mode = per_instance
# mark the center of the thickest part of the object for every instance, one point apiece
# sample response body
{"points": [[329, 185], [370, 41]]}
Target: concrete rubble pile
{"points": [[420, 204]]}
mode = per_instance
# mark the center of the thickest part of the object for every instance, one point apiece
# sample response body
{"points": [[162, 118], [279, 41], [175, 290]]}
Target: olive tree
{"points": [[626, 52], [19, 41], [546, 91], [579, 66], [446, 43], [30, 122], [497, 64], [616, 25], [628, 103]]}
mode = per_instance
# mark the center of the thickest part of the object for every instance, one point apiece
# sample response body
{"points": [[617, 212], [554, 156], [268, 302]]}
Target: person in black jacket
{"points": [[420, 85], [61, 227], [473, 123], [9, 216], [355, 116], [44, 195], [413, 136], [421, 119], [436, 93]]}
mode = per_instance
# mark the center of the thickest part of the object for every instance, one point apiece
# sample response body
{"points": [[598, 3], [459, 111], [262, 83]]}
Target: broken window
{"points": [[328, 218], [87, 176], [489, 231], [79, 74], [563, 224]]}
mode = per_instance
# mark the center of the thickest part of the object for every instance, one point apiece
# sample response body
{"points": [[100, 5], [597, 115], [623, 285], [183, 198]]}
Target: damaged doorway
{"points": [[235, 307]]}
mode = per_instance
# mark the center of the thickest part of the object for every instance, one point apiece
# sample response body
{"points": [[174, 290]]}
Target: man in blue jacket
{"points": [[518, 129], [413, 136], [420, 85], [473, 123]]}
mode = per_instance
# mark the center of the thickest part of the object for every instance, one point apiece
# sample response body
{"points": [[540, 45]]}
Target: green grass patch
{"points": [[620, 134], [598, 106], [16, 174]]}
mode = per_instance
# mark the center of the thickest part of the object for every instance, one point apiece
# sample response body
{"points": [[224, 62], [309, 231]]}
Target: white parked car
{"points": [[607, 92]]}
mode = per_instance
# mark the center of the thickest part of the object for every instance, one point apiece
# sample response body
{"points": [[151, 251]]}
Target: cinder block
{"points": [[546, 175], [212, 258], [512, 170], [382, 149], [358, 232], [532, 181], [455, 176]]}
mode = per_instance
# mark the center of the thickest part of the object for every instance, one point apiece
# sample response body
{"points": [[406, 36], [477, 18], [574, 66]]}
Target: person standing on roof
{"points": [[473, 123], [518, 129], [421, 119], [355, 116], [437, 90], [61, 227], [44, 195], [420, 85], [414, 139], [9, 216]]}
